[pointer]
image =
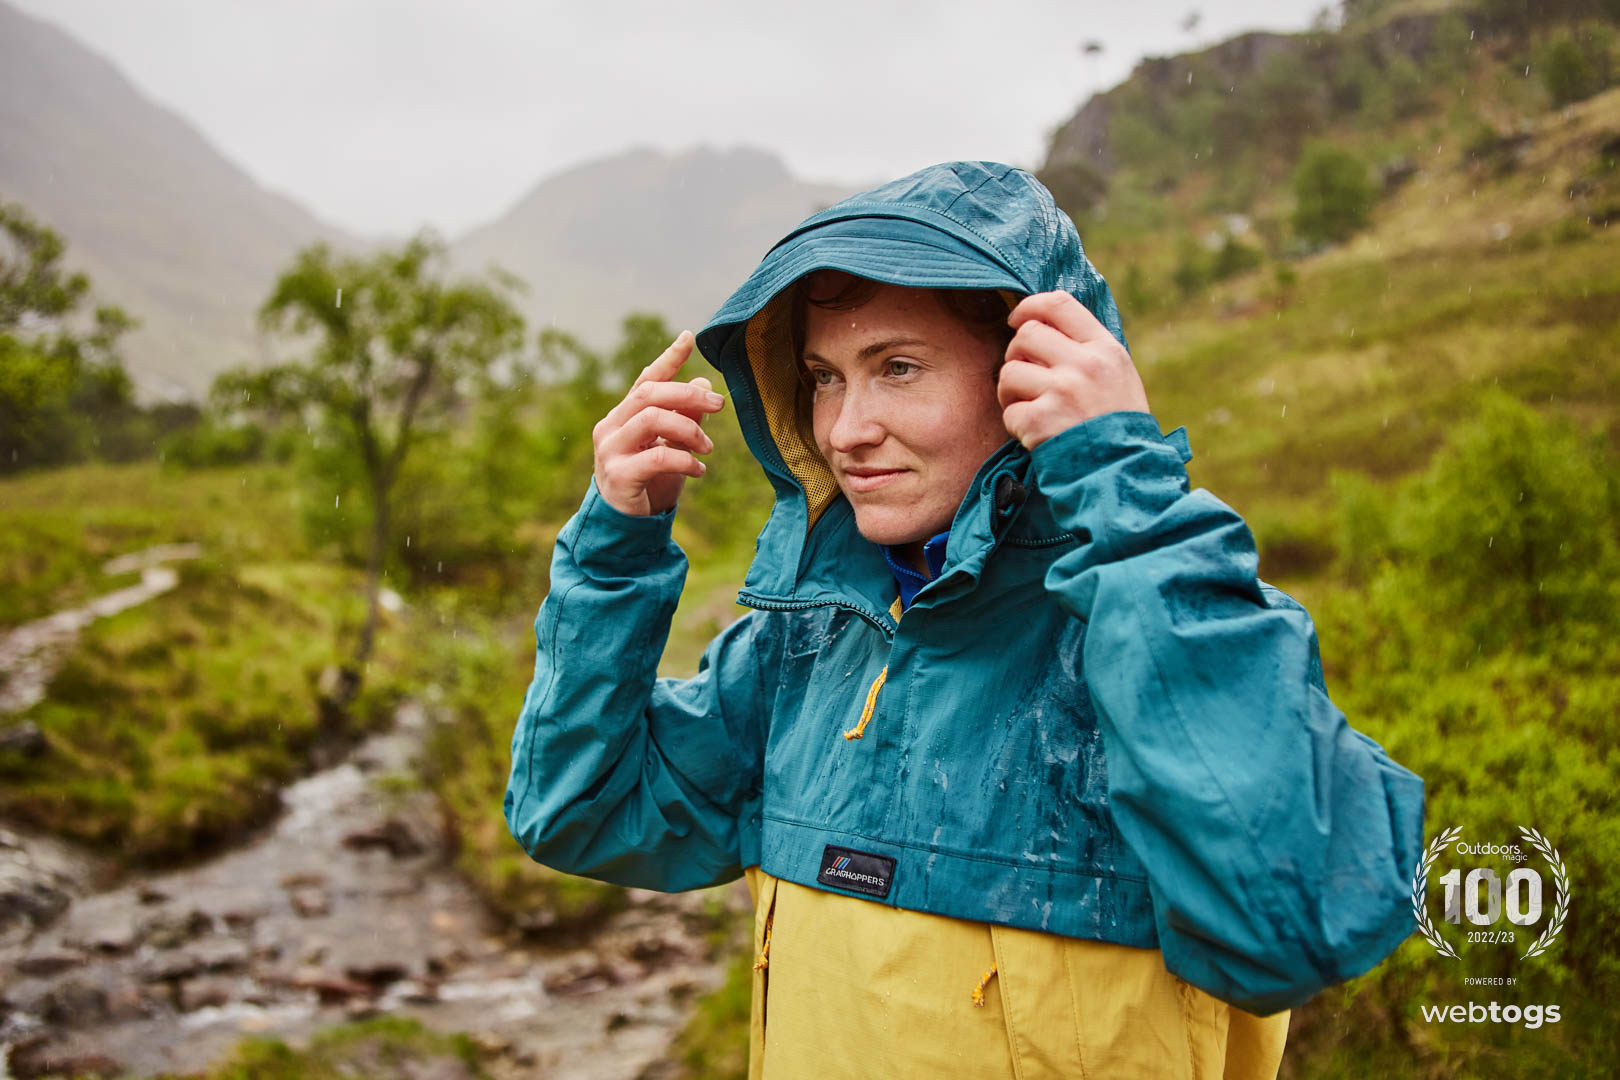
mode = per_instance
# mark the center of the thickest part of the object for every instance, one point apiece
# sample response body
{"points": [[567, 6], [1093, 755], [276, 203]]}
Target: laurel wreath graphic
{"points": [[1560, 875], [1420, 884]]}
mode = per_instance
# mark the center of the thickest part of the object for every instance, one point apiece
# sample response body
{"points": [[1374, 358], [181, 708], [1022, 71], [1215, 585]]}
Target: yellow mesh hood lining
{"points": [[769, 343]]}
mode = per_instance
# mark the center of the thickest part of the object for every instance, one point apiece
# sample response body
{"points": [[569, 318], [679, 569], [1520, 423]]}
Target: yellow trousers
{"points": [[845, 987]]}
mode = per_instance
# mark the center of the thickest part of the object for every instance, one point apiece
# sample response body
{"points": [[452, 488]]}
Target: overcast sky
{"points": [[384, 115]]}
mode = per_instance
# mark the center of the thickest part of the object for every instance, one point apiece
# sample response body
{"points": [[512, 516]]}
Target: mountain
{"points": [[164, 225], [188, 243], [644, 230]]}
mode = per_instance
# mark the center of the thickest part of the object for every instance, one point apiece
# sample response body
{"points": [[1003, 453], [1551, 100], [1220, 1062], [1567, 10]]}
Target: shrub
{"points": [[1333, 195]]}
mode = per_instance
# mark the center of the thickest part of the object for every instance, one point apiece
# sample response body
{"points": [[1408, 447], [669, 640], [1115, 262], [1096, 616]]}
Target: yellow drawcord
{"points": [[764, 960], [978, 991], [871, 702]]}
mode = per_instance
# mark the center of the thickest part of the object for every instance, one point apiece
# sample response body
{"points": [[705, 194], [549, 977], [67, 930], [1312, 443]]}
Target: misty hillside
{"points": [[185, 241], [165, 226], [670, 233]]}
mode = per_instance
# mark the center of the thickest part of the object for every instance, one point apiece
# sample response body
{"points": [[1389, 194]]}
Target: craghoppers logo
{"points": [[859, 871]]}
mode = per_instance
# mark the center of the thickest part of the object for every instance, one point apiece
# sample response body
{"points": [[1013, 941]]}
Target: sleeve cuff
{"points": [[612, 534], [1103, 440]]}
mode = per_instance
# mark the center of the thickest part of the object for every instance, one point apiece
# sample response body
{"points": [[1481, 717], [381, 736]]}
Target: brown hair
{"points": [[982, 311]]}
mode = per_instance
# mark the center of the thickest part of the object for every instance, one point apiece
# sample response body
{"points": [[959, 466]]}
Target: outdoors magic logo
{"points": [[1509, 899]]}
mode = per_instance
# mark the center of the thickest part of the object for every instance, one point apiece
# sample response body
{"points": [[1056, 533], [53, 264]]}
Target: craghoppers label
{"points": [[860, 871]]}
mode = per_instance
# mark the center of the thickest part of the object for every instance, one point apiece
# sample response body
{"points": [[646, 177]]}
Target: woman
{"points": [[1029, 773]]}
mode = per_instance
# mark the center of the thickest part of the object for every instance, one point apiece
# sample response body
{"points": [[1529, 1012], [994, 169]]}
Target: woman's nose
{"points": [[857, 423]]}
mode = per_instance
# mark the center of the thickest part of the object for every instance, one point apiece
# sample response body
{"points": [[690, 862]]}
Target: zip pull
{"points": [[978, 991], [871, 703], [764, 960], [877, 684]]}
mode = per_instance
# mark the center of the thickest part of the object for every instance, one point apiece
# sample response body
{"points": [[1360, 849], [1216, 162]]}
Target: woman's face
{"points": [[904, 409]]}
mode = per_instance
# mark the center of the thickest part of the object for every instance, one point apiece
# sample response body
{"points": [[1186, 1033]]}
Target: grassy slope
{"points": [[172, 724]]}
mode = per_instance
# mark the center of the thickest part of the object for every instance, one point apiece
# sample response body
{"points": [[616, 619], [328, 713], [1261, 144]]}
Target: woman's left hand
{"points": [[1063, 367]]}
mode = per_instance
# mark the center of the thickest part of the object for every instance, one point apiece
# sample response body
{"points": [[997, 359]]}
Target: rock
{"points": [[618, 1020], [73, 1002], [116, 938], [37, 883], [222, 954], [419, 991], [653, 952], [308, 877], [46, 1064], [242, 918], [441, 1068], [491, 1045], [168, 965], [681, 989], [361, 1009], [392, 835], [25, 739], [376, 972], [168, 929], [332, 989], [47, 960], [310, 902], [443, 958], [581, 977], [150, 894], [127, 1001], [204, 992]]}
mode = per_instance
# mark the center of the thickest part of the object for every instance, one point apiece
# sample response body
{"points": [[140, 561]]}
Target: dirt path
{"points": [[31, 653]]}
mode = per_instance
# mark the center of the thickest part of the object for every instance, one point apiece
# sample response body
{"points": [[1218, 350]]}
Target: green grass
{"points": [[378, 1049], [173, 724], [58, 526]]}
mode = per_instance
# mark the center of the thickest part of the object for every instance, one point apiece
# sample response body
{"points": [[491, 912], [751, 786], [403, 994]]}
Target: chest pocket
{"points": [[813, 774]]}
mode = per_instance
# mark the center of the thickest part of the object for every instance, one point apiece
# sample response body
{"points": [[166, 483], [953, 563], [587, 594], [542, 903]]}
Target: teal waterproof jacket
{"points": [[1095, 721]]}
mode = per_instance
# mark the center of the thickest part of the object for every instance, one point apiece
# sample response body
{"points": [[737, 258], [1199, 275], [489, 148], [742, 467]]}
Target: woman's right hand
{"points": [[648, 444]]}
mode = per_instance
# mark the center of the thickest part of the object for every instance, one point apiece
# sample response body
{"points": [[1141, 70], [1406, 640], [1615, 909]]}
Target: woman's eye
{"points": [[901, 367], [821, 377]]}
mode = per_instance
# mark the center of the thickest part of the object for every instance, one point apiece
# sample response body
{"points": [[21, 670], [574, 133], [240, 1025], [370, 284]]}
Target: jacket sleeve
{"points": [[1279, 842], [618, 774]]}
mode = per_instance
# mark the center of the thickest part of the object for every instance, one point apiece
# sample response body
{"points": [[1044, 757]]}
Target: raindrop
{"points": [[340, 298], [1285, 410], [441, 567], [336, 501], [407, 539], [1491, 543]]}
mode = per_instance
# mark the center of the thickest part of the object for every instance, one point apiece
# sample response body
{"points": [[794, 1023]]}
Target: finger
{"points": [[1062, 311], [642, 468], [669, 361], [1021, 380], [648, 426], [688, 398], [1038, 342]]}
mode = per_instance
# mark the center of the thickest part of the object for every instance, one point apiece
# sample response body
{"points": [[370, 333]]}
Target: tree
{"points": [[58, 379], [1333, 195], [394, 348], [1574, 67], [1513, 525]]}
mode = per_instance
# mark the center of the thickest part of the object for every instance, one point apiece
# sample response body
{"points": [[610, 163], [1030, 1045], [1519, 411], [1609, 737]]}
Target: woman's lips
{"points": [[870, 479]]}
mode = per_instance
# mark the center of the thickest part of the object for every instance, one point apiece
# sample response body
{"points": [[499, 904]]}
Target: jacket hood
{"points": [[957, 225]]}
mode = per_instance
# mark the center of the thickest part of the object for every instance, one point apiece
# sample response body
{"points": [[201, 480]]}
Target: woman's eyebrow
{"points": [[869, 351]]}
